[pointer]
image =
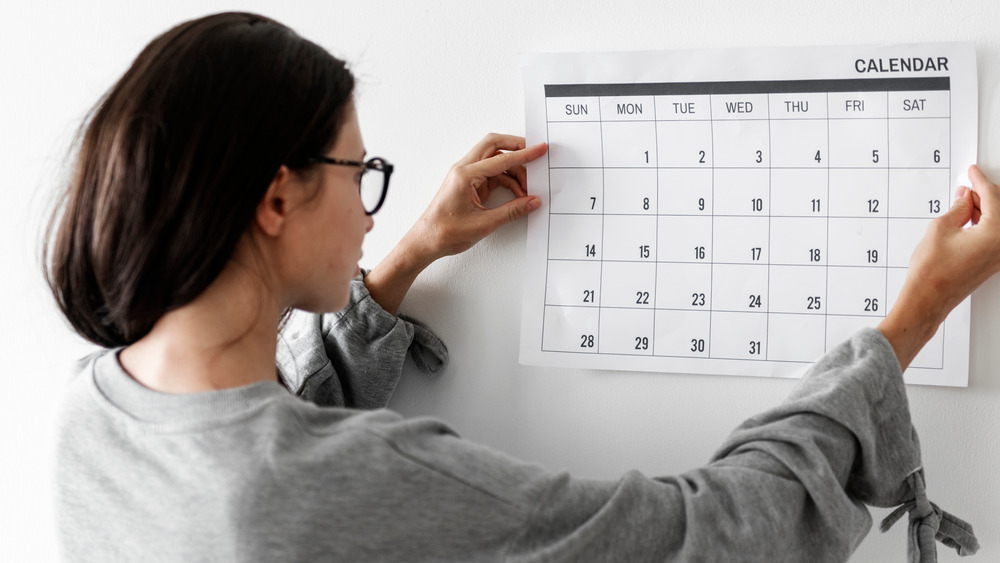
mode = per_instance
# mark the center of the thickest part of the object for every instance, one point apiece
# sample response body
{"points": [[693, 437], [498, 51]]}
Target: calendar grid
{"points": [[767, 306], [548, 219], [826, 277], [711, 239], [604, 190], [619, 177], [888, 193], [656, 147]]}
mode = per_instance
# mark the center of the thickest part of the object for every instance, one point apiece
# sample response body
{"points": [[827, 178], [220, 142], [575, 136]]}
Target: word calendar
{"points": [[738, 212]]}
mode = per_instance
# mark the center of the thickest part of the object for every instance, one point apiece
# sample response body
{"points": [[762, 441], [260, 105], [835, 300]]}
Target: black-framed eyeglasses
{"points": [[374, 183]]}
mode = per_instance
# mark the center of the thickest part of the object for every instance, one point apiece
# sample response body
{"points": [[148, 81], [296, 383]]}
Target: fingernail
{"points": [[534, 203]]}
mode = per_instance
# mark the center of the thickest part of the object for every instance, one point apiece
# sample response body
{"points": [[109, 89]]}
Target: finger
{"points": [[506, 161], [977, 209], [499, 181], [508, 181], [988, 192], [511, 211], [490, 145], [960, 213], [962, 192], [521, 175]]}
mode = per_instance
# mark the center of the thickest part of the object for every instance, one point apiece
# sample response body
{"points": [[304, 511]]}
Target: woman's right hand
{"points": [[457, 217], [949, 263]]}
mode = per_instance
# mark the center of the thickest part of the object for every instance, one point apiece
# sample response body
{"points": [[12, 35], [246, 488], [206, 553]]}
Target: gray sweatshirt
{"points": [[257, 473]]}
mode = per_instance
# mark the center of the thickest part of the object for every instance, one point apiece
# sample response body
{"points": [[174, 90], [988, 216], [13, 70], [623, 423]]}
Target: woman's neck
{"points": [[225, 338]]}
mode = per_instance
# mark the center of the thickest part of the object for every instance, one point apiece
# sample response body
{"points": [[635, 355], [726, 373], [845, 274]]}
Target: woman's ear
{"points": [[272, 211]]}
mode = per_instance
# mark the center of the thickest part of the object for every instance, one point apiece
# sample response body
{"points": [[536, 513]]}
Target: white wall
{"points": [[435, 78]]}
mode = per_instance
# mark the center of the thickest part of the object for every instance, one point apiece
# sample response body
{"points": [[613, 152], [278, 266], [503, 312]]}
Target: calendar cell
{"points": [[795, 338], [858, 105], [740, 107], [840, 328], [627, 331], [797, 105], [741, 144], [799, 144], [684, 239], [683, 108], [919, 193], [685, 334], [630, 238], [576, 237], [798, 192], [919, 143], [740, 336], [585, 108], [576, 190], [633, 191], [797, 289], [858, 242], [684, 143], [859, 193], [742, 192], [739, 288], [685, 191], [904, 234], [684, 286], [575, 145], [740, 240], [856, 291], [795, 240], [920, 104], [629, 144], [627, 108], [573, 283], [859, 143], [571, 329], [628, 285]]}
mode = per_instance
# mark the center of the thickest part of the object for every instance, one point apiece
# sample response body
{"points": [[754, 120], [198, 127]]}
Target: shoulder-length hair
{"points": [[173, 161]]}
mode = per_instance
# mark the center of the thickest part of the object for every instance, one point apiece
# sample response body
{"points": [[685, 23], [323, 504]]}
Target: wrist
{"points": [[911, 323], [413, 253]]}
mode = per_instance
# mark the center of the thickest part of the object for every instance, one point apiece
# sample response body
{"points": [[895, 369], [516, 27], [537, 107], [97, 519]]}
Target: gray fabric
{"points": [[366, 344], [929, 523], [258, 474]]}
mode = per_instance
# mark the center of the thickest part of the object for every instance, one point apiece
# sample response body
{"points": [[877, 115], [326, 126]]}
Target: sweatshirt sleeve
{"points": [[790, 484], [354, 357]]}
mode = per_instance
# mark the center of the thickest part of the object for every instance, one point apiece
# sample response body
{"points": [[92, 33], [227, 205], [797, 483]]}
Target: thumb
{"points": [[988, 192], [513, 210], [961, 210]]}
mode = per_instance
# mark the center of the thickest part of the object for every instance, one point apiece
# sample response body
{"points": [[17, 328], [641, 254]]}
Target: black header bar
{"points": [[750, 87]]}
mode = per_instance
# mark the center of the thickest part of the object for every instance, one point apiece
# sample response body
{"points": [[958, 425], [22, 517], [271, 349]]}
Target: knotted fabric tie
{"points": [[927, 523]]}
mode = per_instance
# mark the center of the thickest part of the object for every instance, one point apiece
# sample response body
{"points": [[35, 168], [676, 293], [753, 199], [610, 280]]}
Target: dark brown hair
{"points": [[173, 161]]}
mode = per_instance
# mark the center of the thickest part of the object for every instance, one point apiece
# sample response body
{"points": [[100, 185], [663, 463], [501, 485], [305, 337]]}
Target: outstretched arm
{"points": [[949, 263], [456, 218]]}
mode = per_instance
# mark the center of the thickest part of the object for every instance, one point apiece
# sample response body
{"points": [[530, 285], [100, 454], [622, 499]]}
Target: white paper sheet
{"points": [[739, 211]]}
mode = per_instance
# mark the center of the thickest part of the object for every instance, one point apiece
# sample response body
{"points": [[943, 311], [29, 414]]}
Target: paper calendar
{"points": [[738, 212]]}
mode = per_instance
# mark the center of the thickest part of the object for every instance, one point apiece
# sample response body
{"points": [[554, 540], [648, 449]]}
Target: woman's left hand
{"points": [[949, 263]]}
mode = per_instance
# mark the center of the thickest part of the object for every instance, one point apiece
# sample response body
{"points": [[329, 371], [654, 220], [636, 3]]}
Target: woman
{"points": [[217, 187]]}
